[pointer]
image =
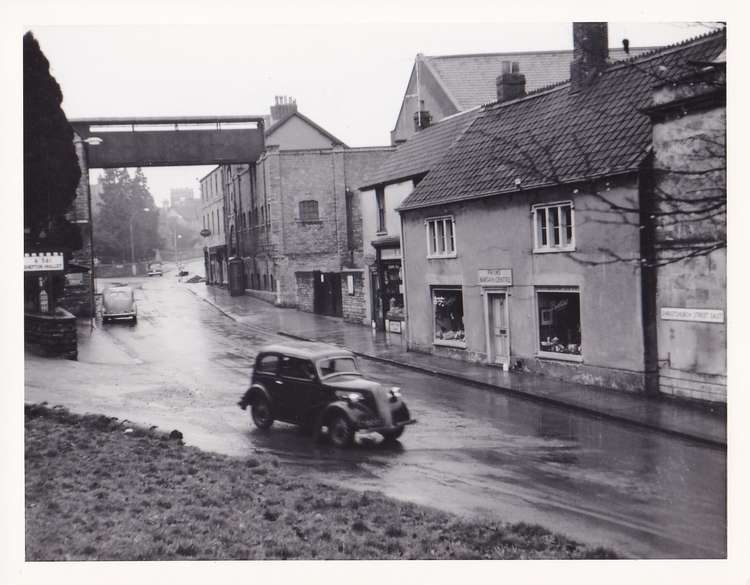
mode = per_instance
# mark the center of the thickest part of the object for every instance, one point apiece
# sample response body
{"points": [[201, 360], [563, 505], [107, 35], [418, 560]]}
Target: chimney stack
{"points": [[511, 84], [590, 53], [283, 106], [422, 118]]}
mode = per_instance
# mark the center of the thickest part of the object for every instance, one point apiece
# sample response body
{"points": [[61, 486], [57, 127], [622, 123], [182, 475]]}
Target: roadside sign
{"points": [[43, 261]]}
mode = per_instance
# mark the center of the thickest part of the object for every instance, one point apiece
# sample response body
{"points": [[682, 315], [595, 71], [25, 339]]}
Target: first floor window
{"points": [[441, 240], [380, 200], [553, 227], [448, 314], [559, 321]]}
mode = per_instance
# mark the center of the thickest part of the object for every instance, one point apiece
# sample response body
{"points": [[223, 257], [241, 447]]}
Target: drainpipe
{"points": [[648, 276], [403, 280]]}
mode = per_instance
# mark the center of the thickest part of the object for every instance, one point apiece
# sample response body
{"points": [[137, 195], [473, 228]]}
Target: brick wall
{"points": [[288, 246], [305, 291], [52, 335], [354, 309]]}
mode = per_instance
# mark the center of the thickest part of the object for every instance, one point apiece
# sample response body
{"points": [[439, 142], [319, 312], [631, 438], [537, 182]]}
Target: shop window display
{"points": [[559, 322], [392, 281], [448, 309]]}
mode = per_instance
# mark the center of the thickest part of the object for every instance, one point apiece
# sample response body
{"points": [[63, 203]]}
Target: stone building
{"points": [[530, 244], [214, 220], [308, 241], [293, 217]]}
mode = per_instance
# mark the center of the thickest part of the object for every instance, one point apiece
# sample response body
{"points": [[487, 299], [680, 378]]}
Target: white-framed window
{"points": [[554, 228], [448, 316], [380, 201], [559, 322], [441, 237]]}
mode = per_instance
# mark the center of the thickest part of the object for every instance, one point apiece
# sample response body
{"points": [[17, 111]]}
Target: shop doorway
{"points": [[327, 294], [498, 337]]}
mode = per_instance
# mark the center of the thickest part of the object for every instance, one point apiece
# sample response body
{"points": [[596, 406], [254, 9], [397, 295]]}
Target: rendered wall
{"points": [[497, 233], [693, 355], [295, 133]]}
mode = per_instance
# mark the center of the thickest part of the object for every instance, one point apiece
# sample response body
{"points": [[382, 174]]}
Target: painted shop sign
{"points": [[495, 276], [702, 315], [43, 261]]}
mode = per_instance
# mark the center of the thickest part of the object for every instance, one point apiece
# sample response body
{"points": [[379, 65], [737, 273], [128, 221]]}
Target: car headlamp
{"points": [[395, 391], [351, 397]]}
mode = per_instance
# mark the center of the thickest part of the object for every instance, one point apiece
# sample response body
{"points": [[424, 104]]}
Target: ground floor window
{"points": [[448, 314], [559, 321]]}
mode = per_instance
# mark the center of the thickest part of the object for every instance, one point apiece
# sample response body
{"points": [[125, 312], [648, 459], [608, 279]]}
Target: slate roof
{"points": [[470, 80], [555, 136], [417, 155]]}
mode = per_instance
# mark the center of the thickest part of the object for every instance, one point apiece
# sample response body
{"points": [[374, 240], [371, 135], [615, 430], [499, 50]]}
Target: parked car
{"points": [[118, 302], [320, 387], [155, 269]]}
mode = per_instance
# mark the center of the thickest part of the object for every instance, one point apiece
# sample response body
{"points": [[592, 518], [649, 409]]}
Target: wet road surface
{"points": [[473, 452]]}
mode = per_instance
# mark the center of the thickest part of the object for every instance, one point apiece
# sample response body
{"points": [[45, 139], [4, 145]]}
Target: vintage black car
{"points": [[320, 387]]}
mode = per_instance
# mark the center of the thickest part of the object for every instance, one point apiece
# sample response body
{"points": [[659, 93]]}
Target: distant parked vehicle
{"points": [[155, 269], [320, 387], [118, 302]]}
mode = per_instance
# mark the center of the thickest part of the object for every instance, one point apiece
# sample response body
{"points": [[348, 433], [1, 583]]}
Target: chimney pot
{"points": [[283, 107]]}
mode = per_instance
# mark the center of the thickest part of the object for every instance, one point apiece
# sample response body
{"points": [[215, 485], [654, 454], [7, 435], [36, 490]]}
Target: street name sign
{"points": [[700, 315]]}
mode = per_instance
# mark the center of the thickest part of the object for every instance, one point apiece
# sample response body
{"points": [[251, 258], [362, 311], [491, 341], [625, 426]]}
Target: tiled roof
{"points": [[556, 136], [470, 79], [417, 155]]}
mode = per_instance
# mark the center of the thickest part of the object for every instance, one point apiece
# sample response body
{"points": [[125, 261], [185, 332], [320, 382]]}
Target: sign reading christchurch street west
{"points": [[702, 315], [495, 277], [43, 261]]}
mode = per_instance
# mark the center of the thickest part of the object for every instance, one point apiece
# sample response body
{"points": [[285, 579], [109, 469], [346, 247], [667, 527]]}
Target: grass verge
{"points": [[100, 489]]}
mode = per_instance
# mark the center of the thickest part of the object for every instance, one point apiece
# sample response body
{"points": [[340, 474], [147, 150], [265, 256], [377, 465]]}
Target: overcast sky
{"points": [[349, 78]]}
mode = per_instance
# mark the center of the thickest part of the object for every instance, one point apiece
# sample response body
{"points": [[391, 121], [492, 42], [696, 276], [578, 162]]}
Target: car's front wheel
{"points": [[341, 431], [260, 411]]}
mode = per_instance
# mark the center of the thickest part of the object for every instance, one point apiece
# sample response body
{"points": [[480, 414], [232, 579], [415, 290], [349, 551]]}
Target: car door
{"points": [[267, 374], [302, 388]]}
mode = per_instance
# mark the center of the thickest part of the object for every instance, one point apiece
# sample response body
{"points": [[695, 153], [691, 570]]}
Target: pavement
{"points": [[705, 423]]}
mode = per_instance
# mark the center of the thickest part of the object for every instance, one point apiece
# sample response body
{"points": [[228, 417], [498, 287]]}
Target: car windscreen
{"points": [[118, 294], [337, 366]]}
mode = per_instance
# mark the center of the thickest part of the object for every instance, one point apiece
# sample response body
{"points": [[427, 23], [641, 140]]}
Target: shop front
{"points": [[386, 278], [217, 263]]}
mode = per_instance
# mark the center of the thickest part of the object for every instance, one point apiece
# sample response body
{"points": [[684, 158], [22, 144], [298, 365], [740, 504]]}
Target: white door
{"points": [[498, 323]]}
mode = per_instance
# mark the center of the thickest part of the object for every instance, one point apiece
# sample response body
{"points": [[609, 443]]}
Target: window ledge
{"points": [[553, 250], [381, 233], [310, 221], [564, 357], [443, 257], [450, 343]]}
